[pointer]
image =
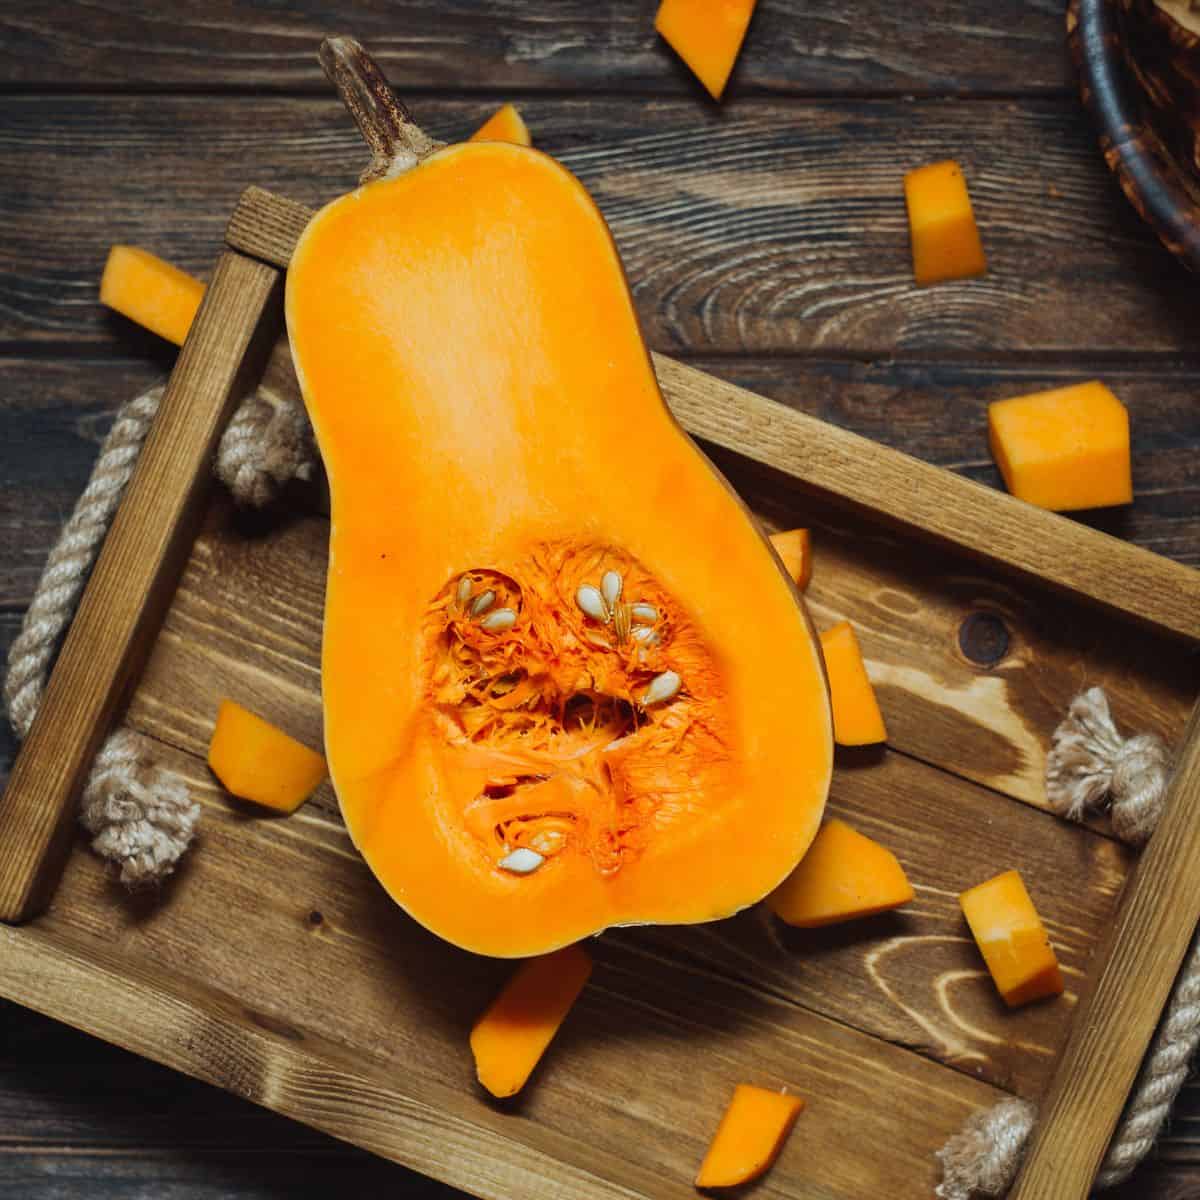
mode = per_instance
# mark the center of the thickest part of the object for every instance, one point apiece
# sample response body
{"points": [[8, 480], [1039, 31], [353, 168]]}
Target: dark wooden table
{"points": [[764, 239]]}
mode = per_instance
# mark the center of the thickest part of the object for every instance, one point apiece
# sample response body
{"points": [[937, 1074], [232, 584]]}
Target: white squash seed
{"points": [[662, 688], [521, 861], [501, 619], [592, 603]]}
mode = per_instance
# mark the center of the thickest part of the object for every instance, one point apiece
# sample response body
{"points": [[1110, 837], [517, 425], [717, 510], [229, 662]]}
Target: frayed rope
{"points": [[140, 814]]}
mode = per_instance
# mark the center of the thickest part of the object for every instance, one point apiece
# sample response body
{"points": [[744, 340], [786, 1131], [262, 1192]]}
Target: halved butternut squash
{"points": [[546, 712]]}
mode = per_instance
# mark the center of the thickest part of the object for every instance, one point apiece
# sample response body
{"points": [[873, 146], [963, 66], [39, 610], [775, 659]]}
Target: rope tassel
{"points": [[1091, 767], [140, 814]]}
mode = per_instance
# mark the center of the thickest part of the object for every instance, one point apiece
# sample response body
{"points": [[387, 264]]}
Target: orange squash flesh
{"points": [[151, 292], [945, 238], [1064, 449], [843, 876], [510, 1038], [1012, 939], [749, 1137], [495, 442], [707, 35], [504, 125], [857, 720], [256, 761], [794, 548]]}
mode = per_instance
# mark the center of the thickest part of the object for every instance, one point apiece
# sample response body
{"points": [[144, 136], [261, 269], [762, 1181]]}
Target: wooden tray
{"points": [[273, 965]]}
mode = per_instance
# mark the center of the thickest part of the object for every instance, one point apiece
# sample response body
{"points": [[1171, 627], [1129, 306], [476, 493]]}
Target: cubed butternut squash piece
{"points": [[1064, 449], [256, 761], [504, 125], [512, 1035], [749, 1137], [843, 876], [945, 238], [857, 720], [156, 295], [707, 35], [1012, 939], [794, 548]]}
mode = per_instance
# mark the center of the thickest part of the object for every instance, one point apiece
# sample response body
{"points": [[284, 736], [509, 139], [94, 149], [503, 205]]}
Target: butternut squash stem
{"points": [[396, 141]]}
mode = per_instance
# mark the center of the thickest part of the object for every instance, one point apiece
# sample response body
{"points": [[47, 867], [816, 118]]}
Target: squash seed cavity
{"points": [[585, 711]]}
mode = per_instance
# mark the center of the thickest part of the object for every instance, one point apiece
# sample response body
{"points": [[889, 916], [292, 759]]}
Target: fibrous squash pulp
{"points": [[567, 684]]}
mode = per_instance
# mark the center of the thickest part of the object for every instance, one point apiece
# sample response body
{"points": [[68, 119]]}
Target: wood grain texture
{"points": [[792, 46], [129, 587], [1130, 982], [588, 1129], [761, 228]]}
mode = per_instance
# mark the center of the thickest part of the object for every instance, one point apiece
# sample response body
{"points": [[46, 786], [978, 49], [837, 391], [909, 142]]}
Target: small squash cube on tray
{"points": [[844, 875], [749, 1137], [512, 1035], [258, 762], [1012, 939], [794, 547], [857, 720]]}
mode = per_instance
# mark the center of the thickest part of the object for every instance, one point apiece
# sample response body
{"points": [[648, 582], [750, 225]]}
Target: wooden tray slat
{"points": [[129, 587]]}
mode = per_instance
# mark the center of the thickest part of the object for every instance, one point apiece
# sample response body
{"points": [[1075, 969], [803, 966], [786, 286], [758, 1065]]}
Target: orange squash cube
{"points": [[156, 295], [749, 1137], [504, 125], [512, 1035], [945, 238], [1064, 449], [857, 720], [707, 35], [844, 875], [1012, 939], [794, 548], [256, 761]]}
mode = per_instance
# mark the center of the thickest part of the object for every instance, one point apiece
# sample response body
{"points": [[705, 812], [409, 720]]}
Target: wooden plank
{"points": [[769, 227], [186, 1174], [246, 623], [588, 1129], [1014, 45], [1131, 980], [129, 587]]}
